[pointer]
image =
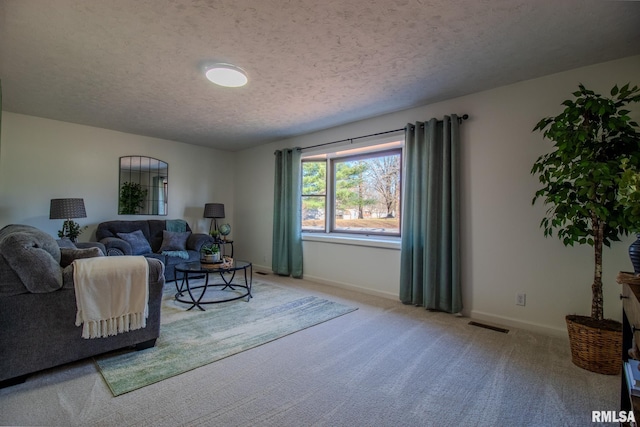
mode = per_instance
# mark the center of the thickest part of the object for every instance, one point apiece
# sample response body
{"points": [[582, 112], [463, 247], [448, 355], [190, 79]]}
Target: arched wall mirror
{"points": [[143, 186]]}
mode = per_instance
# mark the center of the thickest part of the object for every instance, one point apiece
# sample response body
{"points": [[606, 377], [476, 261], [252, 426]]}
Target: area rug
{"points": [[190, 339]]}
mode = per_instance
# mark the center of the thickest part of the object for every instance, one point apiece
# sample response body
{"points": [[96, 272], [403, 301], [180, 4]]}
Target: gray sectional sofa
{"points": [[38, 306], [151, 238]]}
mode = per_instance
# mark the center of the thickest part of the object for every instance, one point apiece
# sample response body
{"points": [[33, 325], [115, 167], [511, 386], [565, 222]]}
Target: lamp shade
{"points": [[67, 209], [214, 210]]}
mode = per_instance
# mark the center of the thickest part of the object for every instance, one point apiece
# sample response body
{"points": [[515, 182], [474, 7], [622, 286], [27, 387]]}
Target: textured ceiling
{"points": [[136, 65]]}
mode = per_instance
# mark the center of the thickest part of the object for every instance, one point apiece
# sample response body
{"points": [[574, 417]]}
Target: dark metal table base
{"points": [[195, 295]]}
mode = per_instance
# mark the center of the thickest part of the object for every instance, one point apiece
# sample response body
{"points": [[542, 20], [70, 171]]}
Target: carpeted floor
{"points": [[385, 364], [190, 339]]}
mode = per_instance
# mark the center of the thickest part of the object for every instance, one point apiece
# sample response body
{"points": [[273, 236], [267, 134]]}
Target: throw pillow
{"points": [[139, 243], [68, 255], [174, 241]]}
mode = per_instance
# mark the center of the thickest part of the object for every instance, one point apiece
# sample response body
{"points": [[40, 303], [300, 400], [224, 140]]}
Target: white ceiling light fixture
{"points": [[227, 75]]}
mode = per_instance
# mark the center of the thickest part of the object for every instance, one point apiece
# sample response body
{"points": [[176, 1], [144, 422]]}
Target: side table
{"points": [[630, 325], [223, 244]]}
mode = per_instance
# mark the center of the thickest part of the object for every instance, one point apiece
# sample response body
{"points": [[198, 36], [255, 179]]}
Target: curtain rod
{"points": [[460, 119]]}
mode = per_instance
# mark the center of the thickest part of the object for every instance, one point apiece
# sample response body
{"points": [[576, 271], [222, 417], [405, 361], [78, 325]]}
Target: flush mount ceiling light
{"points": [[226, 75]]}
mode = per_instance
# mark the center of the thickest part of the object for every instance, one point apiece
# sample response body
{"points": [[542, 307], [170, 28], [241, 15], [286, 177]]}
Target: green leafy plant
{"points": [[629, 195], [132, 197], [593, 138], [210, 249], [71, 230]]}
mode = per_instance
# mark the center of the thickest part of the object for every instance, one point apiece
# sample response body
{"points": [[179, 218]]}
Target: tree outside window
{"points": [[363, 196], [314, 192]]}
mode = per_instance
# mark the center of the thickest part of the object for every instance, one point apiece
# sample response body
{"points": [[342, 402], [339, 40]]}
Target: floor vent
{"points": [[261, 273], [493, 328]]}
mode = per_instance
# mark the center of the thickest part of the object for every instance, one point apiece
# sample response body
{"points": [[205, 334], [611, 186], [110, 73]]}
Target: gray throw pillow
{"points": [[67, 255], [174, 241], [139, 243]]}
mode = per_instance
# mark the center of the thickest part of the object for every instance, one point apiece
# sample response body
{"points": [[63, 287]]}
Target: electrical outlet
{"points": [[521, 298]]}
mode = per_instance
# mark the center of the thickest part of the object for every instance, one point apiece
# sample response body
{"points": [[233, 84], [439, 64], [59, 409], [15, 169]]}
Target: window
{"points": [[314, 195], [353, 191]]}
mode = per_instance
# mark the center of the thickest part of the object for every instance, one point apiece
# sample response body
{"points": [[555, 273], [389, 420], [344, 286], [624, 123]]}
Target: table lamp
{"points": [[213, 211], [67, 209]]}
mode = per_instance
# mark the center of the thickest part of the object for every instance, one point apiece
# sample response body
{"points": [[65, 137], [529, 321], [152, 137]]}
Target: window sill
{"points": [[342, 239]]}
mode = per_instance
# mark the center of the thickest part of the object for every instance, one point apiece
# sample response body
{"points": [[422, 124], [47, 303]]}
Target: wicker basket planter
{"points": [[595, 347]]}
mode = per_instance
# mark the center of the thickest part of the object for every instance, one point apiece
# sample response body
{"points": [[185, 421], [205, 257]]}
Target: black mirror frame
{"points": [[143, 186]]}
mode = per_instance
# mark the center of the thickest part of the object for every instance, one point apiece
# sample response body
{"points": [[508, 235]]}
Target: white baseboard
{"points": [[351, 287], [341, 285], [261, 269], [474, 314], [515, 323]]}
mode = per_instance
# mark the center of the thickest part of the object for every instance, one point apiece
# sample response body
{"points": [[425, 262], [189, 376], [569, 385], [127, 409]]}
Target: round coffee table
{"points": [[195, 295]]}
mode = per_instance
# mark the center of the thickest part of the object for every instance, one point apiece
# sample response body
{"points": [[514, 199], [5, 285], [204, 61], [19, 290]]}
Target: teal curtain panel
{"points": [[287, 214], [430, 257], [0, 117]]}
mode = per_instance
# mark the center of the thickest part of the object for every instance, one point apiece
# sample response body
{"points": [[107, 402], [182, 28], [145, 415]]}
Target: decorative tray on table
{"points": [[226, 262]]}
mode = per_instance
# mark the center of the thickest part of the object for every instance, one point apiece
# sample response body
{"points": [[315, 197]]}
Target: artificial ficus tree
{"points": [[592, 138]]}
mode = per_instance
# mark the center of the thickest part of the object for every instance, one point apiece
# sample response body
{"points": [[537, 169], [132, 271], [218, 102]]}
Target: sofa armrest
{"points": [[68, 255], [156, 274], [156, 271], [33, 258], [196, 240], [116, 246], [87, 245]]}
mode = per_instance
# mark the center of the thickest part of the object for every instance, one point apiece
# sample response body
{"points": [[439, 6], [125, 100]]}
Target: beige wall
{"points": [[43, 159], [504, 251]]}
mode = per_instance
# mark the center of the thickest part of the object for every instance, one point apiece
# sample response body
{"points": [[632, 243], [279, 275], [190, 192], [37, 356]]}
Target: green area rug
{"points": [[190, 339]]}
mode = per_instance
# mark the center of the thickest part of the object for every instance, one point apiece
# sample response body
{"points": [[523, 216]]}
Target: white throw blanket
{"points": [[112, 294]]}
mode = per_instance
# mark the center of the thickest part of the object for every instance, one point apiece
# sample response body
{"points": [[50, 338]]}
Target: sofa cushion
{"points": [[139, 243], [68, 255], [159, 257], [174, 241]]}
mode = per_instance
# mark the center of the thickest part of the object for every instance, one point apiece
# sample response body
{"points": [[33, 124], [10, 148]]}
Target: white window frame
{"points": [[331, 154]]}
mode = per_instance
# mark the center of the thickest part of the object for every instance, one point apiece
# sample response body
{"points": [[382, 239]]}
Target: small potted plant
{"points": [[210, 253], [71, 230]]}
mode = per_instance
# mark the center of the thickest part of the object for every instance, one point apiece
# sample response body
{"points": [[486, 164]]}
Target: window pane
{"points": [[314, 181], [314, 200], [367, 194], [313, 209]]}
